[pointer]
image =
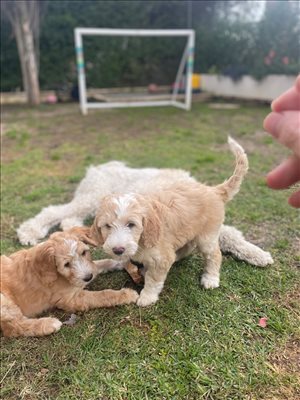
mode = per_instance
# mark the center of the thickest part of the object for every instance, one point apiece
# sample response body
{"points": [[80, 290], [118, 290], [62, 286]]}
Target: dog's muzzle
{"points": [[118, 250]]}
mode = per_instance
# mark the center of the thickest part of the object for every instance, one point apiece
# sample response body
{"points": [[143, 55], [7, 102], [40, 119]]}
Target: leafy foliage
{"points": [[227, 41], [278, 49]]}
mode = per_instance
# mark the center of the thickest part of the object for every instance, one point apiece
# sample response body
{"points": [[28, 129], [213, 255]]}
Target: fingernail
{"points": [[270, 123], [273, 105], [298, 83]]}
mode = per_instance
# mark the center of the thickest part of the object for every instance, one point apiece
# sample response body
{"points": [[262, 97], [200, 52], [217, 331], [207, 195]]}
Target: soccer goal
{"points": [[182, 83]]}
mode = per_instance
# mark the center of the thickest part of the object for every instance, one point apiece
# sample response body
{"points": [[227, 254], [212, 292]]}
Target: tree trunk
{"points": [[25, 42], [22, 56]]}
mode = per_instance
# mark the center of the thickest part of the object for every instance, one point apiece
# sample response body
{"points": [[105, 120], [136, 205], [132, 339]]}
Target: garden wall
{"points": [[247, 87]]}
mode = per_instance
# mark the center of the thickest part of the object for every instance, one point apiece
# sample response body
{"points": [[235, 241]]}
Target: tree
{"points": [[278, 38], [231, 38], [24, 17]]}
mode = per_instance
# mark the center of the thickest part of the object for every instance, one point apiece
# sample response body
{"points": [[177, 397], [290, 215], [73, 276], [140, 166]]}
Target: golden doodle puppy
{"points": [[159, 229], [53, 274]]}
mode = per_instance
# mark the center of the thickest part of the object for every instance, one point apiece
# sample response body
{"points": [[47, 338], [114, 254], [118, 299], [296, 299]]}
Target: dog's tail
{"points": [[231, 186]]}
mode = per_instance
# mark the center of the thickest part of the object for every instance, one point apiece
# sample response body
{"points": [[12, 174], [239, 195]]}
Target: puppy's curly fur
{"points": [[52, 274], [116, 177], [159, 229]]}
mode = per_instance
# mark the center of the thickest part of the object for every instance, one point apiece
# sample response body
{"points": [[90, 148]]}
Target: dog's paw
{"points": [[117, 265], [146, 299], [210, 281], [267, 259], [129, 296], [108, 265], [260, 258], [29, 233], [27, 239], [51, 325]]}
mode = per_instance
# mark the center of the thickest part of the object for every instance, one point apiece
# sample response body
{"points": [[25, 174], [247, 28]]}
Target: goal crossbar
{"points": [[186, 60]]}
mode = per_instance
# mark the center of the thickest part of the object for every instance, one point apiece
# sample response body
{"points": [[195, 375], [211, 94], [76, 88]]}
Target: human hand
{"points": [[283, 123]]}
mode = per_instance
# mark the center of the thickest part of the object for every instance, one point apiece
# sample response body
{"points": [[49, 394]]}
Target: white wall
{"points": [[247, 87]]}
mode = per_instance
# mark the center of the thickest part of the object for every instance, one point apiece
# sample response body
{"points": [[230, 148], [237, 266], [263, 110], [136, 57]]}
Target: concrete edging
{"points": [[247, 87]]}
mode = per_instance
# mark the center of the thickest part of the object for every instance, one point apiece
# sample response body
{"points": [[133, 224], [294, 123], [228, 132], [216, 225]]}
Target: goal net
{"points": [[179, 93]]}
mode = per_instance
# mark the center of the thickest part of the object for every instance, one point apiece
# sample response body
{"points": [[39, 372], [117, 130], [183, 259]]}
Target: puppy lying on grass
{"points": [[157, 230], [53, 274], [116, 177]]}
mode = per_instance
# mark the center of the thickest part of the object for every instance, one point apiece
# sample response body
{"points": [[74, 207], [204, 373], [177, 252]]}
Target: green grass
{"points": [[193, 344]]}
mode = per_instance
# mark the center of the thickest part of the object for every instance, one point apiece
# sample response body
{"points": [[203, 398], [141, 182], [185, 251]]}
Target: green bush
{"points": [[225, 43]]}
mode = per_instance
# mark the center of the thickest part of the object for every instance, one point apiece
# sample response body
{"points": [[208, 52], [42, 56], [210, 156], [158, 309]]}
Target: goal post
{"points": [[186, 63]]}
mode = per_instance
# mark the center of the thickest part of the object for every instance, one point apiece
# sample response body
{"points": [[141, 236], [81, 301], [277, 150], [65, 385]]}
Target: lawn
{"points": [[193, 344]]}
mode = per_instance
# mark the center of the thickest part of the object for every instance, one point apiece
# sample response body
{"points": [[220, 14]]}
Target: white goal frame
{"points": [[187, 59]]}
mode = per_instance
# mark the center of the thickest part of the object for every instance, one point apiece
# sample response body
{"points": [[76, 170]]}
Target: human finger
{"points": [[285, 174], [285, 127], [294, 199], [289, 100]]}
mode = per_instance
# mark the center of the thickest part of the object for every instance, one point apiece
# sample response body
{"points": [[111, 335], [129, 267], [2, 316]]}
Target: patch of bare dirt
{"points": [[288, 360], [286, 363], [251, 143], [7, 227], [283, 393], [296, 250], [134, 322], [291, 301], [262, 234], [224, 106]]}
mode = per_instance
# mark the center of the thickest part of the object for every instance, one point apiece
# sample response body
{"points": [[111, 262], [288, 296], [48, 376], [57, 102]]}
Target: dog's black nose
{"points": [[118, 250], [88, 278]]}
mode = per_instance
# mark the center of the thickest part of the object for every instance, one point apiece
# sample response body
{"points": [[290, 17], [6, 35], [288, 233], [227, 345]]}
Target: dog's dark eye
{"points": [[84, 252], [67, 265], [107, 226], [130, 225]]}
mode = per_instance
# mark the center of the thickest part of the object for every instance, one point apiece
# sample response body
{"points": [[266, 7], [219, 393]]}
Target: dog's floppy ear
{"points": [[44, 262], [151, 223], [85, 234], [96, 233]]}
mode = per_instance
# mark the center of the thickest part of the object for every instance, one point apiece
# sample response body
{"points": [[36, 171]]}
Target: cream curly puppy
{"points": [[116, 177], [52, 274], [158, 229]]}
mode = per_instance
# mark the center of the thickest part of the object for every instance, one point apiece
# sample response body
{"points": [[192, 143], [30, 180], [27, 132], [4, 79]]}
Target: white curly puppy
{"points": [[116, 177], [158, 229]]}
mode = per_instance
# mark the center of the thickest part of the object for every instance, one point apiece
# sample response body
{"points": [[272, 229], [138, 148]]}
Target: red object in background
{"points": [[51, 99], [272, 54], [263, 322], [152, 88], [267, 61], [179, 86], [285, 60]]}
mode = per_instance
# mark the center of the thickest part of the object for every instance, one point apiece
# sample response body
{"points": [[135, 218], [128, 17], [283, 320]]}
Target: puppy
{"points": [[156, 230], [84, 233], [52, 274], [116, 177]]}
